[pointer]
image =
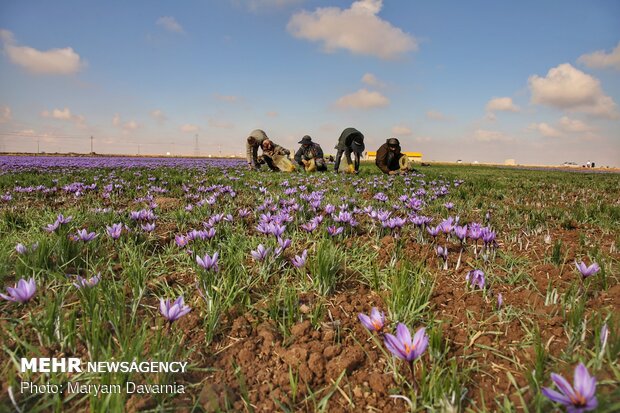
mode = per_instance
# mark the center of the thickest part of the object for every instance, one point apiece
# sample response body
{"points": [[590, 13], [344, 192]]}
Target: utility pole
{"points": [[196, 147], [91, 144], [38, 147]]}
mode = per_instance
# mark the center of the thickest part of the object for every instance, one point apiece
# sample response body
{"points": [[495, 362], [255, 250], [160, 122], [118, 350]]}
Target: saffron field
{"points": [[455, 289]]}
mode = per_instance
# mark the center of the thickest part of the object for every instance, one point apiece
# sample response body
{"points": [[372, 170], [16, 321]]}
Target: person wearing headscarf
{"points": [[390, 159], [310, 155], [275, 156], [351, 141]]}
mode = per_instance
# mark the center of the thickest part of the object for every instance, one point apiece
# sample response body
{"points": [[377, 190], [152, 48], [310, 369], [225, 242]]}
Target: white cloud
{"points": [[227, 98], [371, 80], [362, 99], [600, 59], [159, 115], [116, 120], [545, 130], [64, 114], [357, 29], [573, 125], [501, 104], [435, 115], [189, 128], [258, 5], [132, 125], [483, 135], [568, 88], [401, 130], [5, 114], [171, 24], [63, 61], [215, 123], [273, 114]]}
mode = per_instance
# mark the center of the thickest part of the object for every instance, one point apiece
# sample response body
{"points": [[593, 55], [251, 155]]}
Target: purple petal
{"points": [[563, 385], [555, 396], [584, 383], [163, 307], [403, 334], [394, 346], [420, 342], [365, 320]]}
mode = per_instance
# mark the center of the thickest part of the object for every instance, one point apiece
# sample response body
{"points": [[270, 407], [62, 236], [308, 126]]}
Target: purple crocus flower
{"points": [[62, 220], [433, 231], [442, 252], [209, 233], [449, 205], [148, 227], [174, 311], [577, 398], [309, 227], [604, 336], [333, 230], [460, 232], [476, 278], [373, 323], [380, 196], [300, 260], [115, 230], [403, 347], [446, 225], [84, 235], [475, 231], [21, 249], [500, 301], [207, 262], [284, 243], [587, 271], [276, 229], [181, 240], [52, 227], [22, 292], [88, 283], [488, 235], [260, 253]]}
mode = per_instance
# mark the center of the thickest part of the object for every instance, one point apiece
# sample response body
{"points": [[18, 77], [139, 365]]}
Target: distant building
{"points": [[414, 156]]}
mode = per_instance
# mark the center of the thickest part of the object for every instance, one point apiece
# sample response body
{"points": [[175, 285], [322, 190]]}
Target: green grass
{"points": [[119, 318]]}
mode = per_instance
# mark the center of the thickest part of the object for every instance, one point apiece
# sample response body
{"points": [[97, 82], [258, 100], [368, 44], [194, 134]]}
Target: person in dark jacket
{"points": [[351, 141], [310, 155], [390, 159]]}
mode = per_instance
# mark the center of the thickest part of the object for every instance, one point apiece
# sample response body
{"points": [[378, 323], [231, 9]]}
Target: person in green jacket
{"points": [[351, 141]]}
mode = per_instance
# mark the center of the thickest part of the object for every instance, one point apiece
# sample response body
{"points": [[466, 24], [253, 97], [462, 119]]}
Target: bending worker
{"points": [[351, 141]]}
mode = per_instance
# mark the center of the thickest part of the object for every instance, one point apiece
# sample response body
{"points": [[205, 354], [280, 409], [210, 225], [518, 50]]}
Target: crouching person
{"points": [[310, 155], [390, 159], [276, 157]]}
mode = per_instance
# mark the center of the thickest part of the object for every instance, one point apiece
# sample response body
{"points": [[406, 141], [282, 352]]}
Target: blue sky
{"points": [[537, 81]]}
